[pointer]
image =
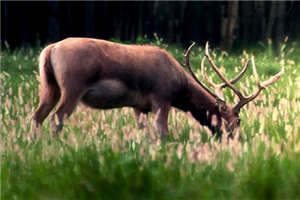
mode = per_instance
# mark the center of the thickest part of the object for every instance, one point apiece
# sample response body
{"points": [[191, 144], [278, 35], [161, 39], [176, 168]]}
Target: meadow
{"points": [[103, 155]]}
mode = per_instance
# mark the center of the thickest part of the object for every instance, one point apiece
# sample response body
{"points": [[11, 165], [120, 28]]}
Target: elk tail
{"points": [[47, 76]]}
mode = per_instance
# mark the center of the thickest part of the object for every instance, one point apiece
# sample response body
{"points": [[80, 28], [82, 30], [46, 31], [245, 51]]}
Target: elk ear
{"points": [[221, 105]]}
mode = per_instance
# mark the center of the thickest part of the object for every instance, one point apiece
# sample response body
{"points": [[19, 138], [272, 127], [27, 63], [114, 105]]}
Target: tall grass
{"points": [[103, 155]]}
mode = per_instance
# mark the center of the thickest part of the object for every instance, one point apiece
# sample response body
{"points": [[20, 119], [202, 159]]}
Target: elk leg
{"points": [[64, 109], [138, 118], [49, 96], [161, 112]]}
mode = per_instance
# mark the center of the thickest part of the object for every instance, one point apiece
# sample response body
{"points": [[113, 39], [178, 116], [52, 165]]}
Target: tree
{"points": [[259, 24], [271, 20], [53, 21], [89, 19], [280, 21], [228, 24]]}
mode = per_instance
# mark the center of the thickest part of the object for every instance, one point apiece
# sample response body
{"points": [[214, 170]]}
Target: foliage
{"points": [[103, 155]]}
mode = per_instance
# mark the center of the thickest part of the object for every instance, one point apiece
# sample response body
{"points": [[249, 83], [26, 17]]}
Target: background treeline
{"points": [[223, 23]]}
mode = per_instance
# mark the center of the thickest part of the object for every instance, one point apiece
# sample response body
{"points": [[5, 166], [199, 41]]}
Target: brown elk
{"points": [[105, 75]]}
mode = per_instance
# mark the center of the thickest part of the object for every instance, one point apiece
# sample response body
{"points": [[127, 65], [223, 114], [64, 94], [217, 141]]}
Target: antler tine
{"points": [[261, 86], [228, 83], [212, 84], [254, 70], [218, 87], [240, 75], [243, 100], [267, 82], [273, 79], [187, 63]]}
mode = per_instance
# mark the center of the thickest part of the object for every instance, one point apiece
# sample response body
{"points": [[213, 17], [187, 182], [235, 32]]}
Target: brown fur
{"points": [[104, 75]]}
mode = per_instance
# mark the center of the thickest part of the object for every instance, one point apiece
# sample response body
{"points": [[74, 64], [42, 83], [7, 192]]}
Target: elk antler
{"points": [[219, 87], [243, 100], [187, 64], [261, 86]]}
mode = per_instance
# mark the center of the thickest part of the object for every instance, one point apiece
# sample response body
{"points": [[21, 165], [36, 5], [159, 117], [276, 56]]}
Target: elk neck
{"points": [[196, 99]]}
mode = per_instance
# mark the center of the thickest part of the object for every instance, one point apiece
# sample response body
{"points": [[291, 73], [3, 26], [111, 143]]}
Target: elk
{"points": [[105, 75]]}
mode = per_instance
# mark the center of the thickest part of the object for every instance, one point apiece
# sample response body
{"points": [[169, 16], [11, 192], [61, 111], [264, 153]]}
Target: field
{"points": [[103, 155]]}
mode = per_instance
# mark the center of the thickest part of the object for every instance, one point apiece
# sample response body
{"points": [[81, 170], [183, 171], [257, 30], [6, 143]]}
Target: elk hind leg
{"points": [[49, 95], [66, 106]]}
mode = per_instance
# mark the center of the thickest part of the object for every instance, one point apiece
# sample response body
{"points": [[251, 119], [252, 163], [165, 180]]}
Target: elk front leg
{"points": [[161, 113], [138, 114]]}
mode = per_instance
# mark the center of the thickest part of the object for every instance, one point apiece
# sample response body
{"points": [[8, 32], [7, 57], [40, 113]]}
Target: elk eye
{"points": [[238, 122]]}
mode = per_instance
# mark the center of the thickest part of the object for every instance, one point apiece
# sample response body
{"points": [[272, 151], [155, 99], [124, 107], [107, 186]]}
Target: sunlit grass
{"points": [[102, 154]]}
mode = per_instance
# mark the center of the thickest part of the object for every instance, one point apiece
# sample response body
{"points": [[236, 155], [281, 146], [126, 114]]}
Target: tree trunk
{"points": [[155, 13], [271, 21], [24, 34], [89, 19], [4, 34], [140, 21], [181, 21], [260, 21], [228, 25], [245, 23], [224, 21], [280, 19], [171, 22], [117, 21], [53, 21], [69, 15]]}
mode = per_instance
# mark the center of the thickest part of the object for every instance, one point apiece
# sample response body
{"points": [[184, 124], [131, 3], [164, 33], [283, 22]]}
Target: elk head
{"points": [[225, 111]]}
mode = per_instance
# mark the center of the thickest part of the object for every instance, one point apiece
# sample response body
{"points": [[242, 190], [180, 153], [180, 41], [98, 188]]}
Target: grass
{"points": [[103, 155]]}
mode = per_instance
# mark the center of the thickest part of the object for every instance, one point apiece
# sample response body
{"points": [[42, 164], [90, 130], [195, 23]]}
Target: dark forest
{"points": [[224, 24]]}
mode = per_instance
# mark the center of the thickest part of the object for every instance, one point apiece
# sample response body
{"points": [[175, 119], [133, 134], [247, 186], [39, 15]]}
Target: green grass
{"points": [[103, 155]]}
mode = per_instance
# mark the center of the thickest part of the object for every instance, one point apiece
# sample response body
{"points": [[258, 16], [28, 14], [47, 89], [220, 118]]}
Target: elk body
{"points": [[105, 75]]}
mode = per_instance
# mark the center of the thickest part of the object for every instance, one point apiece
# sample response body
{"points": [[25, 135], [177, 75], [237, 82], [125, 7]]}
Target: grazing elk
{"points": [[105, 75]]}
